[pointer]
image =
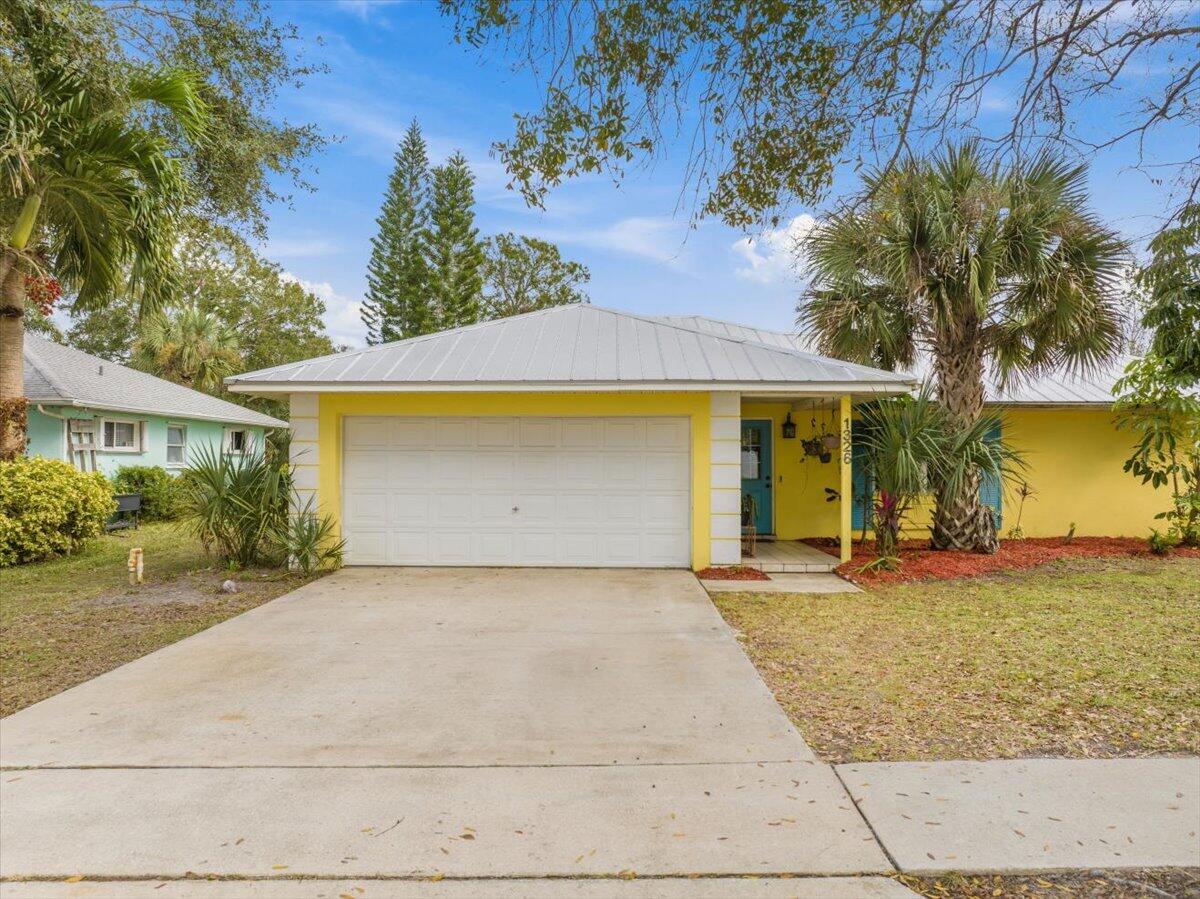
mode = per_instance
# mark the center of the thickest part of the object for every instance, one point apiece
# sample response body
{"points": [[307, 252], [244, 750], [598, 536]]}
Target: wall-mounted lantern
{"points": [[789, 428]]}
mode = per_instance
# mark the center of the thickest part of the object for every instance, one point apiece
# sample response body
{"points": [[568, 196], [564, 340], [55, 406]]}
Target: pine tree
{"points": [[398, 302], [453, 251]]}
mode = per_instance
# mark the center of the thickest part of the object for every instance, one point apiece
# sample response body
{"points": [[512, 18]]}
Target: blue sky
{"points": [[391, 62]]}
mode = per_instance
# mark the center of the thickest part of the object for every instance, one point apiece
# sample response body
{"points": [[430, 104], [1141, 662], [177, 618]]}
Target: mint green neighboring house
{"points": [[98, 415]]}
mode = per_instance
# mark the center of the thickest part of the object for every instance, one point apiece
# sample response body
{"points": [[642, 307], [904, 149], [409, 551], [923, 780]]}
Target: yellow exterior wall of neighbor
{"points": [[334, 407], [798, 488], [1075, 458]]}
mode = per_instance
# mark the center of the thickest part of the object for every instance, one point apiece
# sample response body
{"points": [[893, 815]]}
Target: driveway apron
{"points": [[409, 723]]}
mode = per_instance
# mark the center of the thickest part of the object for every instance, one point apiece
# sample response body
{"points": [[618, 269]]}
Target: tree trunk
{"points": [[961, 521], [12, 358]]}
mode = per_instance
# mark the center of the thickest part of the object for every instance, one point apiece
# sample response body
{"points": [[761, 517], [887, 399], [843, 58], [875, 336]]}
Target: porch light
{"points": [[789, 428]]}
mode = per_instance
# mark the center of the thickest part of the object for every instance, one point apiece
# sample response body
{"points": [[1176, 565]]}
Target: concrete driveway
{"points": [[397, 724]]}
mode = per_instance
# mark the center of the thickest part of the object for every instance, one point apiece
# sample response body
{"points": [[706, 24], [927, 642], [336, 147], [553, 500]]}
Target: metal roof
{"points": [[64, 376], [1058, 388], [575, 347]]}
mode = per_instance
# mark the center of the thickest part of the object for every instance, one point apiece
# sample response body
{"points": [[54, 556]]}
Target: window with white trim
{"points": [[176, 445], [119, 435], [237, 441]]}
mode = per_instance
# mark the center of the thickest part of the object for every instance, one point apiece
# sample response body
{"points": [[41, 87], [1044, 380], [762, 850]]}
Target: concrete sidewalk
{"points": [[1032, 814]]}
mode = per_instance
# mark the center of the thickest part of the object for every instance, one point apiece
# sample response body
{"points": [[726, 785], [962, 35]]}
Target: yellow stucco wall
{"points": [[333, 407], [1075, 458]]}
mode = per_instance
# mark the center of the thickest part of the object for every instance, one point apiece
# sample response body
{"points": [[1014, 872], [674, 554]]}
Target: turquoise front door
{"points": [[756, 472]]}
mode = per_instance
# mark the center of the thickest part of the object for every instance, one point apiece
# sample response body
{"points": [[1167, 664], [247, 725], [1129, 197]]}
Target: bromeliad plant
{"points": [[915, 448], [240, 507]]}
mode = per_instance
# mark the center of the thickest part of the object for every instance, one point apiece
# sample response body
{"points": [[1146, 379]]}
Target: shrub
{"points": [[162, 495], [238, 506], [1160, 544], [48, 508]]}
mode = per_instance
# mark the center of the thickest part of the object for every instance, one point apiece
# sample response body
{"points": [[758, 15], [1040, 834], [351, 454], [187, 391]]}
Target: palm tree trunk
{"points": [[960, 520], [12, 356]]}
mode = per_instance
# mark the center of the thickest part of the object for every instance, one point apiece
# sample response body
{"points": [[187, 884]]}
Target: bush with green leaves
{"points": [[162, 498], [48, 508], [240, 508]]}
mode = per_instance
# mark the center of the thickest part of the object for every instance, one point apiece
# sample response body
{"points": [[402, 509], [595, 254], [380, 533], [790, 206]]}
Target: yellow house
{"points": [[584, 436]]}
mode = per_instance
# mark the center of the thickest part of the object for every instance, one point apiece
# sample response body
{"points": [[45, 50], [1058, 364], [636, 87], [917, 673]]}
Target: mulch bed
{"points": [[919, 563], [732, 573]]}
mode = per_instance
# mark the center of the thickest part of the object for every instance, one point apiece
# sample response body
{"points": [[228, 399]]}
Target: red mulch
{"points": [[919, 563], [732, 573]]}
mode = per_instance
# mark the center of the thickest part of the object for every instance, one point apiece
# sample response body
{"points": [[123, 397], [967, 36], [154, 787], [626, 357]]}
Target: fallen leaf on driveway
{"points": [[74, 878]]}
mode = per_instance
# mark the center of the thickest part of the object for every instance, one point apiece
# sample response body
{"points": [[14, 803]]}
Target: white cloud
{"points": [[772, 257], [656, 238], [343, 315]]}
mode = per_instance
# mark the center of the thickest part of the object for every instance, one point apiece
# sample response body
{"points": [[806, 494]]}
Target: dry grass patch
{"points": [[1082, 658], [1125, 884], [67, 620]]}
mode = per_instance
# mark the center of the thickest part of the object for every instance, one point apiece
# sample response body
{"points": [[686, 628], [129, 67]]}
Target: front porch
{"points": [[778, 556], [795, 481]]}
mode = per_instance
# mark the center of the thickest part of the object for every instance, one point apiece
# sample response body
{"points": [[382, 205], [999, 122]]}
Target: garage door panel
{"points": [[661, 510], [497, 432], [415, 433], [623, 469], [539, 432], [408, 468], [624, 433], [536, 469], [366, 507], [367, 433], [574, 508], [580, 433], [494, 509], [456, 508], [369, 548], [581, 470], [366, 469], [666, 471], [495, 468], [408, 546], [667, 433], [454, 432], [587, 491], [408, 508], [537, 509]]}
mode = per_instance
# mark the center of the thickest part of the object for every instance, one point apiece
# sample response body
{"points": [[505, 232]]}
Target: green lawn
{"points": [[67, 620], [1080, 658]]}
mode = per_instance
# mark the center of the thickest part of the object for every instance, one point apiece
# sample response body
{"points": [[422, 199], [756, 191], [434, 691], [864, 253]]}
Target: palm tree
{"points": [[976, 266], [91, 198], [191, 347]]}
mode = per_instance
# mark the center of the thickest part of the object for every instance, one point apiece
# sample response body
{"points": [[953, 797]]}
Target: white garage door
{"points": [[517, 491]]}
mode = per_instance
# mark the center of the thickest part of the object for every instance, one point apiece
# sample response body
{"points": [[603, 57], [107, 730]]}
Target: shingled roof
{"points": [[57, 375]]}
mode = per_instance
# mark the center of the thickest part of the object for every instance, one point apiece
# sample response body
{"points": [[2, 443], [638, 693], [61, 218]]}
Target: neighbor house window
{"points": [[176, 445], [121, 436], [237, 441]]}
